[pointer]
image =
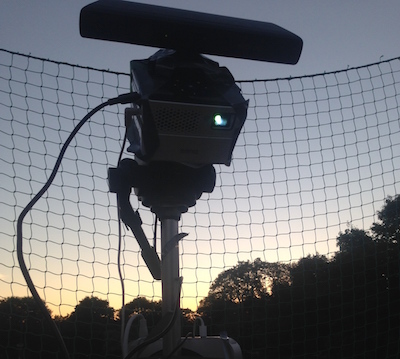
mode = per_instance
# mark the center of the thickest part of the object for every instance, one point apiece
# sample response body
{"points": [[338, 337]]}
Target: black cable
{"points": [[178, 346], [122, 99], [155, 233], [152, 338], [121, 279], [122, 147]]}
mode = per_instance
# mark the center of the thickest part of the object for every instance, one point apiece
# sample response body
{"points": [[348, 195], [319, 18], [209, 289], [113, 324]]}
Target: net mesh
{"points": [[318, 156]]}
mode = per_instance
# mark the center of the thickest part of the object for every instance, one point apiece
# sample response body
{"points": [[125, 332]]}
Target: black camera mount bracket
{"points": [[167, 188]]}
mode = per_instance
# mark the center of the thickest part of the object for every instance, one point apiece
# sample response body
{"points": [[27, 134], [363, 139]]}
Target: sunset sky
{"points": [[336, 34], [316, 184]]}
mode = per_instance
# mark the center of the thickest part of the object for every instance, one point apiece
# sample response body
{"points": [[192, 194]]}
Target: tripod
{"points": [[168, 189]]}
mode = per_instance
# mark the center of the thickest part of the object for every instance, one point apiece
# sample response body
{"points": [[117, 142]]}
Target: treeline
{"points": [[92, 330], [346, 306]]}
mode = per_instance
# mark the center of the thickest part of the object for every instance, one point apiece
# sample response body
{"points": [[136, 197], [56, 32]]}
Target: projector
{"points": [[191, 110]]}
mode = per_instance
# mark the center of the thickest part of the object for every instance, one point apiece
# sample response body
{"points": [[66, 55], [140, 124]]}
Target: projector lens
{"points": [[221, 120]]}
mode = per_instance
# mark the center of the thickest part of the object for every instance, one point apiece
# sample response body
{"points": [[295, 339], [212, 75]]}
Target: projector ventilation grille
{"points": [[176, 121]]}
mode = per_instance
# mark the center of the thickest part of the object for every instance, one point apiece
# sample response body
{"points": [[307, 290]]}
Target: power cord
{"points": [[119, 266], [132, 97], [183, 341], [202, 328], [166, 323], [142, 333]]}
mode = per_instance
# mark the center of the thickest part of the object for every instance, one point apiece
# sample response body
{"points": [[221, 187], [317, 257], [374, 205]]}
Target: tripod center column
{"points": [[170, 282]]}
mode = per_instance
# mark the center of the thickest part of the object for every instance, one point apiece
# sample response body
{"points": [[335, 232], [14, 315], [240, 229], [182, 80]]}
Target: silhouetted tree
{"points": [[386, 232], [388, 228], [366, 304], [238, 303], [91, 330], [354, 241], [152, 312], [347, 306], [247, 280], [93, 309], [355, 270], [24, 331]]}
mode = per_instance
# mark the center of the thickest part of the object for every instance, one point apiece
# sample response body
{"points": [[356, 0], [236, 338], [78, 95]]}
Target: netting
{"points": [[318, 156]]}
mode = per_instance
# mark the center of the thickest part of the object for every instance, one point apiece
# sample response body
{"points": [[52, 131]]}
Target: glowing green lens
{"points": [[220, 121]]}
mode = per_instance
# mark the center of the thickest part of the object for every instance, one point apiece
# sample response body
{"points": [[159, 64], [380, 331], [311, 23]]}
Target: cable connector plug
{"points": [[202, 328], [131, 97]]}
